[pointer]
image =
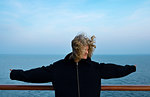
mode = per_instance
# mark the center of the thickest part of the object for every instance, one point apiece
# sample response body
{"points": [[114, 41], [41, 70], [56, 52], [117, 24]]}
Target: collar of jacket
{"points": [[82, 60]]}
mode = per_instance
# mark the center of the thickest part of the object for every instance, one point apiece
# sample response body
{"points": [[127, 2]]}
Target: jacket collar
{"points": [[67, 58]]}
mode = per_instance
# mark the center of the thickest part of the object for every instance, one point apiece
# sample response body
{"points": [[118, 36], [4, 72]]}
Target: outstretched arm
{"points": [[115, 71], [37, 75]]}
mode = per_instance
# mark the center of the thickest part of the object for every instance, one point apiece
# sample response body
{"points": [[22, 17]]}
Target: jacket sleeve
{"points": [[115, 71], [37, 75]]}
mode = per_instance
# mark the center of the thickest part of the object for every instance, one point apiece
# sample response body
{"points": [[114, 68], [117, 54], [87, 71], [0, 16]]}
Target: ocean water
{"points": [[25, 62]]}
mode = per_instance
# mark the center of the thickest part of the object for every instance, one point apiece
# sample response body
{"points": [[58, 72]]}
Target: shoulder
{"points": [[94, 63], [97, 64], [59, 62]]}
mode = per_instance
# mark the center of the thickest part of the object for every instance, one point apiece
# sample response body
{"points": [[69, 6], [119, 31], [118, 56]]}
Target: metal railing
{"points": [[103, 88]]}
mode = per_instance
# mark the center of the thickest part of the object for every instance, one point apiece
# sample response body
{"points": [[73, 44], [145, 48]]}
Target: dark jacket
{"points": [[70, 79]]}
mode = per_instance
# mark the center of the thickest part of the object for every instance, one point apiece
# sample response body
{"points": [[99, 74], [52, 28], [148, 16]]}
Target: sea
{"points": [[26, 62]]}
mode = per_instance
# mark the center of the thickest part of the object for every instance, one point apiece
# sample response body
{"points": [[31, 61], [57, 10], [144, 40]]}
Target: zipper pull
{"points": [[77, 63]]}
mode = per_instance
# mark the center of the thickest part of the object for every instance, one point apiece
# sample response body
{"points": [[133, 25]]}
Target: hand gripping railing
{"points": [[103, 88]]}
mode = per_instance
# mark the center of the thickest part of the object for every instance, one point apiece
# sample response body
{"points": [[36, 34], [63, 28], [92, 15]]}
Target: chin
{"points": [[84, 57]]}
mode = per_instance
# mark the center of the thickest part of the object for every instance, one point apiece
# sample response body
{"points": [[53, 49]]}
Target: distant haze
{"points": [[48, 26]]}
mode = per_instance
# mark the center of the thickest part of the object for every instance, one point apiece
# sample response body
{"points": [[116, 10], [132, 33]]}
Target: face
{"points": [[84, 52]]}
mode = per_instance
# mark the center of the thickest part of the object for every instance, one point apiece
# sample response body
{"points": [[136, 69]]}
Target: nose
{"points": [[87, 51]]}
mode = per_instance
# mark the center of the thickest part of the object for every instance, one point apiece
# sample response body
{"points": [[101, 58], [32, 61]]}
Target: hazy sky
{"points": [[48, 26]]}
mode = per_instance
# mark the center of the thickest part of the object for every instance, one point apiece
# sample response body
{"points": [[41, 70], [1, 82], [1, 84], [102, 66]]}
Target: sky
{"points": [[48, 26]]}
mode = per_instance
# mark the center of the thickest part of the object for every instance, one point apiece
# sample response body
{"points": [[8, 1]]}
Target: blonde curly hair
{"points": [[79, 42]]}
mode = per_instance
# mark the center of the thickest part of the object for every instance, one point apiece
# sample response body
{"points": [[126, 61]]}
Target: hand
{"points": [[10, 69]]}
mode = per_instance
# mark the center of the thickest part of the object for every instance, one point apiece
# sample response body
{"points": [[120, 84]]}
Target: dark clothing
{"points": [[70, 79]]}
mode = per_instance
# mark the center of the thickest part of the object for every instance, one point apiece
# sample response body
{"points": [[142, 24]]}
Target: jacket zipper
{"points": [[78, 80]]}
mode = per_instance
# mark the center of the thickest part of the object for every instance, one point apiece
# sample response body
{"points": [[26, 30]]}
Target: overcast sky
{"points": [[48, 26]]}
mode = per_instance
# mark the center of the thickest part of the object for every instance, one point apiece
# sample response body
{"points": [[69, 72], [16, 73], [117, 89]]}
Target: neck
{"points": [[76, 60]]}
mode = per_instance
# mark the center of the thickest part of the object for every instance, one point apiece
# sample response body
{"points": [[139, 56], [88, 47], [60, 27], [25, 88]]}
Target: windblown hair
{"points": [[80, 41]]}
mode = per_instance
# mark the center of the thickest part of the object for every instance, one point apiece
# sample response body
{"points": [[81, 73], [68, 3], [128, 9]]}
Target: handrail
{"points": [[103, 88]]}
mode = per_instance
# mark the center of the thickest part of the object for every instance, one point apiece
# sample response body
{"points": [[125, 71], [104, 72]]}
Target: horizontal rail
{"points": [[103, 88]]}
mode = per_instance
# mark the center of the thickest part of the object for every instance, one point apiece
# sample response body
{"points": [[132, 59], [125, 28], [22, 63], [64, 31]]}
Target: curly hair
{"points": [[79, 42]]}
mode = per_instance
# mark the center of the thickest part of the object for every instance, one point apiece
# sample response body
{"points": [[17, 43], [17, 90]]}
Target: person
{"points": [[76, 75]]}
